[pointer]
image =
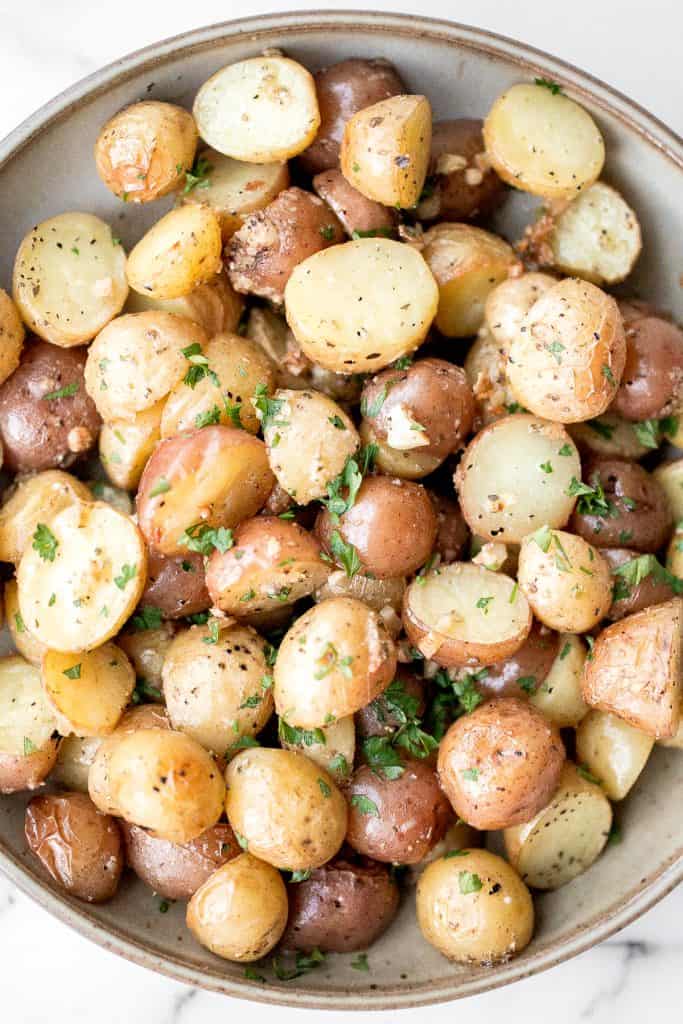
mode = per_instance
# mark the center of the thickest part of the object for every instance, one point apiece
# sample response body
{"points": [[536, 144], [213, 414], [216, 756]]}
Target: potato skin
{"points": [[467, 190], [355, 212], [644, 594], [644, 527], [428, 407], [27, 771], [32, 500], [378, 719], [44, 433], [180, 251], [176, 870], [412, 813], [532, 661], [652, 382], [343, 89], [142, 152], [262, 254], [343, 907], [77, 845], [500, 764], [176, 584], [12, 334], [452, 531], [392, 525]]}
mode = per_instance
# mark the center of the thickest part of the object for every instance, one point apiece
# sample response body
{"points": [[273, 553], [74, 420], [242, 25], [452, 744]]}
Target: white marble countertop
{"points": [[48, 971]]}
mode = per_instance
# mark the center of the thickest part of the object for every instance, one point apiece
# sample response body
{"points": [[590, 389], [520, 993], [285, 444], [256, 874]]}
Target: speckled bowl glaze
{"points": [[46, 167]]}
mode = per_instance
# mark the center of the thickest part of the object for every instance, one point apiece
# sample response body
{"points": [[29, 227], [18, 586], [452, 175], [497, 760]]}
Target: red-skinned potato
{"points": [[77, 845], [397, 820], [176, 584], [262, 254], [176, 870], [452, 531], [428, 406], [500, 764], [524, 670], [46, 418], [463, 185], [652, 383], [391, 525], [211, 477], [629, 598], [343, 89], [357, 214], [382, 717], [342, 907], [272, 561]]}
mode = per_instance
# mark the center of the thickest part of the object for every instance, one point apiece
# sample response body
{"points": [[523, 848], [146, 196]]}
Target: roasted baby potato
{"points": [[342, 907], [627, 507], [566, 581], [78, 846], [205, 479], [284, 808], [500, 764], [510, 301], [386, 713], [342, 90], [91, 558], [635, 670], [88, 691], [506, 492], [407, 464], [384, 596], [652, 383], [69, 278], [332, 747], [670, 477], [541, 141], [474, 908], [609, 436], [32, 499], [12, 335], [399, 819], [28, 727], [359, 216], [565, 837], [463, 614], [452, 533], [462, 183], [215, 305], [46, 418], [630, 596], [126, 445], [345, 647], [356, 307], [612, 751], [559, 696], [216, 684], [467, 263], [176, 584], [143, 152], [176, 870], [385, 149], [240, 911], [181, 251], [272, 562], [486, 370], [74, 758], [147, 647], [261, 110], [26, 644], [597, 236], [525, 670]]}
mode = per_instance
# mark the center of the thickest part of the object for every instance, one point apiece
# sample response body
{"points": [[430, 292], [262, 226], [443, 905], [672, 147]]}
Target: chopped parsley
{"points": [[483, 604], [469, 882], [345, 554], [343, 489], [199, 368], [566, 449], [546, 467], [324, 788], [327, 232], [202, 538], [66, 392], [300, 876], [208, 418], [371, 408], [146, 618], [29, 746], [212, 638], [588, 776], [198, 175], [74, 672], [303, 963], [45, 543], [364, 805], [128, 573], [547, 83], [471, 774], [161, 487], [592, 500], [269, 408], [144, 692], [361, 962], [300, 737]]}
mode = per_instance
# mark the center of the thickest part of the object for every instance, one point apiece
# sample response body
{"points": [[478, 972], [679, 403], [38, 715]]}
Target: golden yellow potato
{"points": [[32, 500], [331, 747], [597, 236], [510, 301], [559, 696], [126, 445], [147, 649], [11, 336], [214, 305], [25, 642], [670, 476], [612, 751], [28, 727], [89, 691], [75, 756], [181, 251]]}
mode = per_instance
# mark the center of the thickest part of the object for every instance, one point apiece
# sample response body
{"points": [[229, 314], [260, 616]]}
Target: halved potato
{"points": [[515, 475], [542, 142], [386, 148], [180, 252], [34, 499], [82, 577], [89, 691], [510, 301], [70, 278], [612, 751], [28, 727], [597, 236], [76, 754], [25, 642], [559, 696], [463, 614], [635, 670], [467, 263], [234, 189], [565, 838], [11, 336], [358, 306], [214, 305], [411, 464], [262, 110], [670, 476], [126, 445]]}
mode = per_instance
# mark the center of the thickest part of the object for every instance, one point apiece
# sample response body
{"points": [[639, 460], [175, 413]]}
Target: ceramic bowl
{"points": [[46, 166]]}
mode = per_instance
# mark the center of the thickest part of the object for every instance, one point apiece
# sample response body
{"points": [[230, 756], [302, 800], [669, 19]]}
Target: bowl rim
{"points": [[652, 887]]}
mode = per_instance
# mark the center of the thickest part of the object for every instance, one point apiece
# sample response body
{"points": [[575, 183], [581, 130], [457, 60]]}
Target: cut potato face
{"points": [[26, 643], [126, 445], [567, 581], [261, 110], [559, 696], [386, 148], [567, 360], [358, 306], [137, 359], [597, 237], [217, 685], [335, 755], [70, 278], [463, 614], [635, 671], [515, 475], [34, 499], [565, 838], [612, 751], [76, 754], [542, 142], [510, 301], [215, 305], [82, 577], [28, 727], [237, 367], [467, 263], [89, 691], [180, 252], [147, 649], [234, 189], [11, 336], [670, 476]]}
